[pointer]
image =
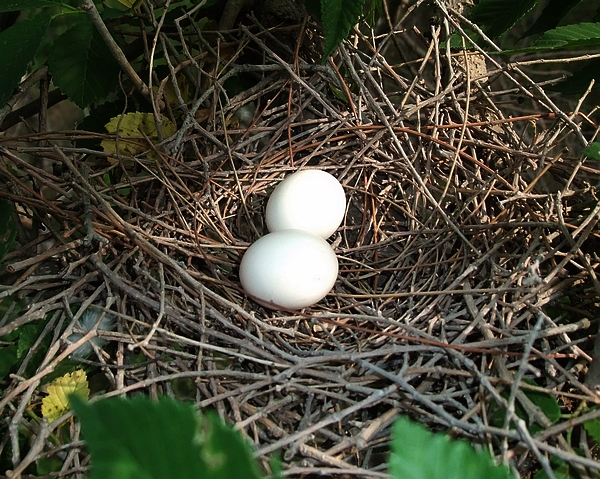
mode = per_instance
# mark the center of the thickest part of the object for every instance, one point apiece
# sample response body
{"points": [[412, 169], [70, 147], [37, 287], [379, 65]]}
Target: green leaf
{"points": [[18, 46], [581, 34], [29, 333], [8, 358], [140, 438], [8, 228], [592, 151], [420, 454], [164, 439], [560, 468], [497, 16], [552, 14], [225, 453], [547, 403], [15, 5], [338, 17], [456, 42], [593, 429], [81, 64]]}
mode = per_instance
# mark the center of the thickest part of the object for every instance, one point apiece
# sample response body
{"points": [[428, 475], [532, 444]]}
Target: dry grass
{"points": [[464, 234]]}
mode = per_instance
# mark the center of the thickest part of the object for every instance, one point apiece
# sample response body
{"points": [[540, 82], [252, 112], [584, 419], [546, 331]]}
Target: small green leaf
{"points": [[593, 429], [569, 36], [15, 5], [8, 229], [18, 46], [592, 151], [339, 93], [338, 17], [420, 454], [552, 14], [497, 16], [81, 64]]}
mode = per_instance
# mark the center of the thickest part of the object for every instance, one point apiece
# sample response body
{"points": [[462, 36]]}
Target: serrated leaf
{"points": [[8, 228], [56, 403], [338, 17], [420, 454], [581, 34], [497, 16], [141, 438], [551, 16], [18, 46], [129, 128], [15, 5], [81, 64]]}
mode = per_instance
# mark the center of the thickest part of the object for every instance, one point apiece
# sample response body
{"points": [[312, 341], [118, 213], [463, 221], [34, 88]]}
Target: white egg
{"points": [[309, 200], [291, 269]]}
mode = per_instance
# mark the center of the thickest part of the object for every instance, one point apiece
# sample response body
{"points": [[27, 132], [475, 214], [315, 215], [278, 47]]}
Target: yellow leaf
{"points": [[57, 403], [130, 127]]}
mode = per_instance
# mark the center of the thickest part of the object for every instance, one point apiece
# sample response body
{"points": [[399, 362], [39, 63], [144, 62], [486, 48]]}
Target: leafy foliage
{"points": [[570, 36], [160, 439], [419, 454], [552, 14], [89, 72], [166, 439], [60, 392], [338, 17], [497, 16], [18, 46]]}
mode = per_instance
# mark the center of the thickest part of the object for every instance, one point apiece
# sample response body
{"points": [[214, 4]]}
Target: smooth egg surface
{"points": [[288, 269], [309, 200]]}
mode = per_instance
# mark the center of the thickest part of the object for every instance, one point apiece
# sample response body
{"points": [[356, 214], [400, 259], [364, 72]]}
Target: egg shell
{"points": [[309, 200], [288, 269]]}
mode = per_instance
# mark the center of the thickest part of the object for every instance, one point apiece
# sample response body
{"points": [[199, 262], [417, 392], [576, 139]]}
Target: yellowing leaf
{"points": [[129, 128], [171, 95], [57, 403]]}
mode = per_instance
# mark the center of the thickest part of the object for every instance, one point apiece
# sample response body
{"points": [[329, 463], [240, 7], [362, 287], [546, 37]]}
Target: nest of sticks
{"points": [[471, 221]]}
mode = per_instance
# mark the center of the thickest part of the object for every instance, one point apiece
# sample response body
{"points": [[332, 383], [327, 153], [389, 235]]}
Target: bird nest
{"points": [[467, 254]]}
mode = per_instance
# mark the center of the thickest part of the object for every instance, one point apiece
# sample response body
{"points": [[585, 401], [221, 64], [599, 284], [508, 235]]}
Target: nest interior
{"points": [[467, 254]]}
